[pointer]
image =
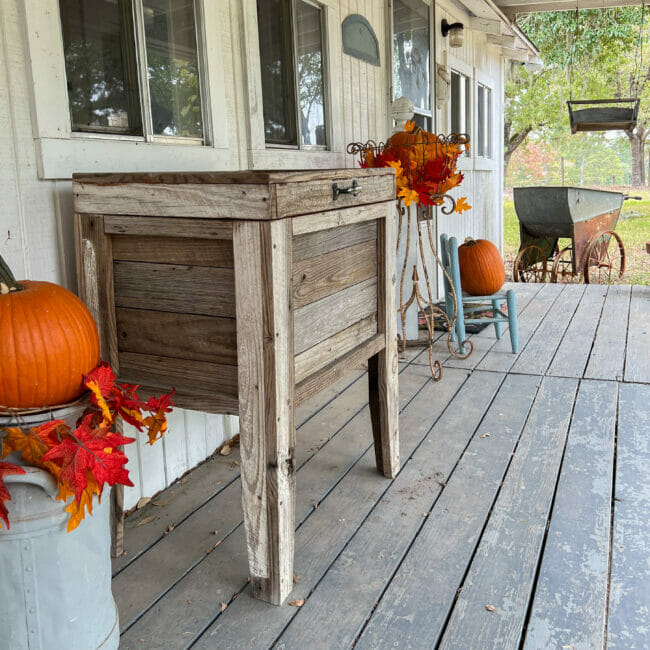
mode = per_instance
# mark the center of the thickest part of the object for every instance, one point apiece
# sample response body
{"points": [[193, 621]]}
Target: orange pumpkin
{"points": [[482, 272], [48, 340]]}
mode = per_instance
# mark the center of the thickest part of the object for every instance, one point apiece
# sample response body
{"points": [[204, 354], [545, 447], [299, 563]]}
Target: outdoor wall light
{"points": [[455, 31]]}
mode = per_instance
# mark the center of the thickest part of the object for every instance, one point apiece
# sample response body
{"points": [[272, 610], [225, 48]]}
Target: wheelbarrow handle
{"points": [[629, 197]]}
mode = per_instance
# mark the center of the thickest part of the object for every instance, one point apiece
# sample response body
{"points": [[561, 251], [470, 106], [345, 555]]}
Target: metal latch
{"points": [[354, 189]]}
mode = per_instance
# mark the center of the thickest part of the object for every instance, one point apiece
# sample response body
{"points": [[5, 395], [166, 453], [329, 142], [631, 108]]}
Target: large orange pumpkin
{"points": [[48, 339], [482, 272]]}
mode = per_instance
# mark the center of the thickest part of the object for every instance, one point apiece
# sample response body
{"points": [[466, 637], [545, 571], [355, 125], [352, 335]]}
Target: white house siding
{"points": [[37, 157]]}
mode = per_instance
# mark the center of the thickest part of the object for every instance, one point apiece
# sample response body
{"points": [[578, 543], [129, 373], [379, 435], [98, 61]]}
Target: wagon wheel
{"points": [[562, 269], [605, 258], [536, 271]]}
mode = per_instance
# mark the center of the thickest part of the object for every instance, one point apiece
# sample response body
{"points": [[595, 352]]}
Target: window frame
{"points": [[465, 162], [266, 156], [60, 151], [486, 163]]}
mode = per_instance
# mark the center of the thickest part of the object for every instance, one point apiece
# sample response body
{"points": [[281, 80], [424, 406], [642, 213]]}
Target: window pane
{"points": [[488, 123], [310, 74], [276, 59], [172, 67], [100, 65], [480, 121], [455, 102], [411, 52]]}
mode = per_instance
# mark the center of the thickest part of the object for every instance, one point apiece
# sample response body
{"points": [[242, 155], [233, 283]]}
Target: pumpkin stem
{"points": [[470, 241], [7, 280]]}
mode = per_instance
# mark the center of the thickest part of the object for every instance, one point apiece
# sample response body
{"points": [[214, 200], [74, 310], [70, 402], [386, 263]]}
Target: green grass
{"points": [[633, 227]]}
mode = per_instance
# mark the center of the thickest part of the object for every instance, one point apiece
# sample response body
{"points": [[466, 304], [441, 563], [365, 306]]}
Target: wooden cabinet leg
{"points": [[382, 367], [262, 254]]}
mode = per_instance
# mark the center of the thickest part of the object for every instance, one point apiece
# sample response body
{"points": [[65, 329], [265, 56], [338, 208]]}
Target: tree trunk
{"points": [[636, 147], [582, 172], [512, 141]]}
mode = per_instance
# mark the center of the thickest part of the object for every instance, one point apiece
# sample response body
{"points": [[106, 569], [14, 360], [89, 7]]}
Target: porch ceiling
{"points": [[513, 7]]}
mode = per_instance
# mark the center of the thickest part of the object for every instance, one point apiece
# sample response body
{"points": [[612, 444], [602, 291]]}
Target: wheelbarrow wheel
{"points": [[605, 258], [530, 265], [562, 269]]}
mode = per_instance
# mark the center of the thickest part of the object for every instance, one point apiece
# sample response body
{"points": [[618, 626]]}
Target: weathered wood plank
{"points": [[170, 287], [500, 358], [317, 195], [341, 431], [168, 227], [319, 320], [320, 242], [184, 336], [573, 352], [337, 218], [317, 277], [337, 368], [538, 354], [637, 356], [382, 367], [413, 606], [183, 374], [194, 200], [173, 250], [570, 604], [266, 385], [629, 602], [325, 534], [608, 352], [334, 347], [504, 566]]}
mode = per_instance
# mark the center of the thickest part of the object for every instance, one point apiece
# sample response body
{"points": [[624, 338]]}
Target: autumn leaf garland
{"points": [[85, 459]]}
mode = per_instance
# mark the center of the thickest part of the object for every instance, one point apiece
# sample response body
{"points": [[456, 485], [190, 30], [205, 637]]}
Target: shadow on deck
{"points": [[521, 516]]}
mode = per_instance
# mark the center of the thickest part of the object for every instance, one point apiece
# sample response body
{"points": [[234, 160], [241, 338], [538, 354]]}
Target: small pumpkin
{"points": [[482, 272], [48, 340]]}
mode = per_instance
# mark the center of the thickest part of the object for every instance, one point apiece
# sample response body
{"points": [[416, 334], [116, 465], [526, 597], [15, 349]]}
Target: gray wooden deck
{"points": [[520, 519]]}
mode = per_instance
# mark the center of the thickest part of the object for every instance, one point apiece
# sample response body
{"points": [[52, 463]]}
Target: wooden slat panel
{"points": [[332, 348], [169, 287], [505, 563], [413, 609], [331, 372], [184, 336], [320, 242], [338, 218], [183, 374], [317, 277], [637, 357], [629, 601], [318, 321], [199, 228], [571, 594], [316, 196], [203, 201], [173, 250]]}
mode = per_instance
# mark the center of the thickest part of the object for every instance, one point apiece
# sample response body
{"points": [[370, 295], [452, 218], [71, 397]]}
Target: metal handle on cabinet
{"points": [[354, 189]]}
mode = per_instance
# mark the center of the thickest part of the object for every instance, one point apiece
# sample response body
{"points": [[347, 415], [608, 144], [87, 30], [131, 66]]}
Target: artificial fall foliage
{"points": [[424, 164], [85, 459]]}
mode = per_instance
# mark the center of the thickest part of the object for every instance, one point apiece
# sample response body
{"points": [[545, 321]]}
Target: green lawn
{"points": [[633, 227]]}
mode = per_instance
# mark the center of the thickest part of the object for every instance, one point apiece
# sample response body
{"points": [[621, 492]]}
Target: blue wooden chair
{"points": [[467, 304]]}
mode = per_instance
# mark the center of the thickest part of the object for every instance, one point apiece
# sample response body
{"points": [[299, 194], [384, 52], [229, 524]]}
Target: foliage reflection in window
{"points": [[292, 68], [483, 121], [411, 57], [460, 110], [110, 89]]}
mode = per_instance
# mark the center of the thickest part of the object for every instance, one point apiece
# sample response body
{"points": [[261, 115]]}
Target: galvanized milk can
{"points": [[55, 587]]}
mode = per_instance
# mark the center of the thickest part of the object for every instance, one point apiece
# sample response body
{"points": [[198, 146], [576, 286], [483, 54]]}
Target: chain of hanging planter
{"points": [[606, 114], [425, 167]]}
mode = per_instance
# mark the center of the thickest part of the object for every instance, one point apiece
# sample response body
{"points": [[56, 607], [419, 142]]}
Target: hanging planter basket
{"points": [[603, 114]]}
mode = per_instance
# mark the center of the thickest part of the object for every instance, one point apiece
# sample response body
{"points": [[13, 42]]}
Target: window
{"points": [[116, 87], [411, 57], [293, 73], [483, 121], [460, 111]]}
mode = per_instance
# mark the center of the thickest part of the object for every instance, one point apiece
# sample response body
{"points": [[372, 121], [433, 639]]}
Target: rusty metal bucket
{"points": [[55, 590]]}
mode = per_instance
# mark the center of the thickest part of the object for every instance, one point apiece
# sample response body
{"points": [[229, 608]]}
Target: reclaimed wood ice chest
{"points": [[248, 292]]}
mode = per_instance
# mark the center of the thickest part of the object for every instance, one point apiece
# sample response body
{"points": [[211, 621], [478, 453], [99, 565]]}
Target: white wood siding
{"points": [[38, 155]]}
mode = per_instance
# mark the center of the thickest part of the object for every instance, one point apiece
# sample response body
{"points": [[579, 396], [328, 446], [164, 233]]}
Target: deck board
{"points": [[608, 353], [629, 614], [502, 573], [516, 519], [637, 367], [569, 609]]}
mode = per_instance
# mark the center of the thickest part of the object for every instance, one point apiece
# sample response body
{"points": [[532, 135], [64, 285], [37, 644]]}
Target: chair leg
{"points": [[460, 329], [512, 320], [449, 310], [497, 326]]}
